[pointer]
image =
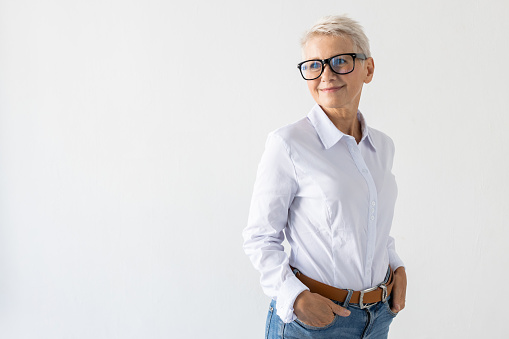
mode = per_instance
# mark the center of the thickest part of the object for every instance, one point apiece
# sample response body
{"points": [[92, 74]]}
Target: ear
{"points": [[369, 65]]}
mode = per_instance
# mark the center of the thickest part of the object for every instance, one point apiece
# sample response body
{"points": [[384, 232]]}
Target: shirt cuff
{"points": [[289, 291], [394, 260]]}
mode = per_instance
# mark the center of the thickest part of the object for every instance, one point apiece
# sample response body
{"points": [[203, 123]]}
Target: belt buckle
{"points": [[361, 296], [384, 292]]}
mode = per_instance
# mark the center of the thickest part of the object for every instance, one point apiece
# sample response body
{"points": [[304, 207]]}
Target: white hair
{"points": [[342, 26]]}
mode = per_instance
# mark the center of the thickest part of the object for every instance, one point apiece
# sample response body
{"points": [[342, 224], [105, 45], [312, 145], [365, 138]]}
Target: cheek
{"points": [[312, 86]]}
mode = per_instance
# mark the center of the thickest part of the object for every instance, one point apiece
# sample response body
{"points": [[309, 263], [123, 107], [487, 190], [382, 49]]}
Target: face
{"points": [[337, 91]]}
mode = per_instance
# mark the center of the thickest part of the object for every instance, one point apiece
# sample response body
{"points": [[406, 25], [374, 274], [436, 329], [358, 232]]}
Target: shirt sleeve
{"points": [[394, 259], [274, 190]]}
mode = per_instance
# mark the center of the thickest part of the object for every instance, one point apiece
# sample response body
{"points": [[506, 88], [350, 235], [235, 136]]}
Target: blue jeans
{"points": [[369, 323]]}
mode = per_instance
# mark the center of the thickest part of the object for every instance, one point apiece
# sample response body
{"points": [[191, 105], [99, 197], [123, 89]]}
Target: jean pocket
{"points": [[315, 328], [269, 319], [388, 308]]}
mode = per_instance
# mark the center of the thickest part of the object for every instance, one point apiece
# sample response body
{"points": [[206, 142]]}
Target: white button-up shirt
{"points": [[333, 198]]}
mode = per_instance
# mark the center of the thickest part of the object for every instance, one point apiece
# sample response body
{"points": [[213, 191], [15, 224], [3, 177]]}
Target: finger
{"points": [[341, 311], [396, 308], [399, 290], [398, 301]]}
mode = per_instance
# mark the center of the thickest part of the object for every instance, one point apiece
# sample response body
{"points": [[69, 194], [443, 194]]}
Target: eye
{"points": [[338, 61], [311, 66], [315, 65]]}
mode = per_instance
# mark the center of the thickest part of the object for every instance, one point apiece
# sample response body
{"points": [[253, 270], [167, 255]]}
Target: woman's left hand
{"points": [[398, 294]]}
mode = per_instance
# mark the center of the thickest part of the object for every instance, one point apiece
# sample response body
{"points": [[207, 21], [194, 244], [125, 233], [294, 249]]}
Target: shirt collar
{"points": [[328, 133]]}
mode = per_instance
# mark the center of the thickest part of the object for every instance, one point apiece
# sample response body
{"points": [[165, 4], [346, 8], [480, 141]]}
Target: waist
{"points": [[374, 294], [347, 274]]}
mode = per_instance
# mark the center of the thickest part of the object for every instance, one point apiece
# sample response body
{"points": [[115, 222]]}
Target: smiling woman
{"points": [[337, 91], [325, 182]]}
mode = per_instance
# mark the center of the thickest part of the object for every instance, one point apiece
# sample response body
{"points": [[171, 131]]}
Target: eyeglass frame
{"points": [[324, 62]]}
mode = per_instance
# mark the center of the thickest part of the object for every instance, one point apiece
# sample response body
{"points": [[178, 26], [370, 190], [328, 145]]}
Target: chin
{"points": [[330, 104]]}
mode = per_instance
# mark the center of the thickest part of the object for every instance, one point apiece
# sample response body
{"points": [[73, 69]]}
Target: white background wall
{"points": [[130, 133]]}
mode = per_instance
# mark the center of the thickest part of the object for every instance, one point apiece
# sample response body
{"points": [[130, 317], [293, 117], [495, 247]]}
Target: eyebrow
{"points": [[333, 55]]}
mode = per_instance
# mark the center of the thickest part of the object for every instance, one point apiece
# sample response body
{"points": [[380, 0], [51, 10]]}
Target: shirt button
{"points": [[373, 203], [372, 210], [372, 217]]}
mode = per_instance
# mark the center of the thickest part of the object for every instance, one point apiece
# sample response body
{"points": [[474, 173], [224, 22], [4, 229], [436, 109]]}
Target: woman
{"points": [[325, 182]]}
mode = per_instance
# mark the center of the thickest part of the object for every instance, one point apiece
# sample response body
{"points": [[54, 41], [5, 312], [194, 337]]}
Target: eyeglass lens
{"points": [[341, 64]]}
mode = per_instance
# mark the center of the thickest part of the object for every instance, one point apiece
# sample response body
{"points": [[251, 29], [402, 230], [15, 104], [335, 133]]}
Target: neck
{"points": [[346, 121]]}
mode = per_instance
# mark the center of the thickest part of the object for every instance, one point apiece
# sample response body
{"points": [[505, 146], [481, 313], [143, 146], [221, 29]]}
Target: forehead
{"points": [[325, 46]]}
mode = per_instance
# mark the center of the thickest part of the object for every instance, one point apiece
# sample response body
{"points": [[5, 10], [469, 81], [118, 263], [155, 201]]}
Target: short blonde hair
{"points": [[343, 26]]}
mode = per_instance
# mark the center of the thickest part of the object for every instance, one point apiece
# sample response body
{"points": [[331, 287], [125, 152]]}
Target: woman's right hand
{"points": [[314, 310]]}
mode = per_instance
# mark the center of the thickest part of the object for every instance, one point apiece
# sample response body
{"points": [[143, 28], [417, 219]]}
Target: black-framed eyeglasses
{"points": [[339, 64]]}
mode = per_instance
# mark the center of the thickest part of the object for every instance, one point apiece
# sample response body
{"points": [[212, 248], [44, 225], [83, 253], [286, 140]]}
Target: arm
{"points": [[399, 290], [274, 190], [400, 280]]}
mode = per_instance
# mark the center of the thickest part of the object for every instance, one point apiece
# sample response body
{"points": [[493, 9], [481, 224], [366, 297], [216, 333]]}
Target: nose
{"points": [[328, 74]]}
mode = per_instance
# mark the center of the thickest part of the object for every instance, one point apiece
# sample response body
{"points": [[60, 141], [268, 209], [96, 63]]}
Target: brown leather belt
{"points": [[368, 296]]}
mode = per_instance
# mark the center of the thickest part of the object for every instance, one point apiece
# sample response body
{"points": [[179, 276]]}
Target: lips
{"points": [[331, 89]]}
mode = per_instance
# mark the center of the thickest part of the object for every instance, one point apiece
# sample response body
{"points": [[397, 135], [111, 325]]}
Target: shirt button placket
{"points": [[361, 165]]}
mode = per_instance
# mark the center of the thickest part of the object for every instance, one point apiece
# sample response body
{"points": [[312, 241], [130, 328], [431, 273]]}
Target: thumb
{"points": [[398, 301], [396, 304], [341, 311], [396, 308]]}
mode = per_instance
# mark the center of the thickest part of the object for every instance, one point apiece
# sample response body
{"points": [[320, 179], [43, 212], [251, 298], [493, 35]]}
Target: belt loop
{"points": [[387, 275], [347, 300]]}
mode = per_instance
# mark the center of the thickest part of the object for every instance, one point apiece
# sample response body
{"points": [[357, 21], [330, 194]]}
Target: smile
{"points": [[331, 89]]}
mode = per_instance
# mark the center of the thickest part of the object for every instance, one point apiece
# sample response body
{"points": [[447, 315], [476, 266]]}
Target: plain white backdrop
{"points": [[130, 133]]}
